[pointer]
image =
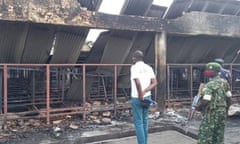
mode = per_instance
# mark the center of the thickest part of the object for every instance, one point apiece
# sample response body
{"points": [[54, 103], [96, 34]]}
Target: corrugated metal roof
{"points": [[121, 42], [136, 7], [156, 11], [12, 39], [29, 43], [68, 46], [38, 44], [32, 43], [201, 49], [96, 52], [178, 7]]}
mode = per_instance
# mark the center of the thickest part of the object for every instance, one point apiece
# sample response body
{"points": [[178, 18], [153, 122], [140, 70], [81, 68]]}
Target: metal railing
{"points": [[50, 90], [44, 90], [185, 79]]}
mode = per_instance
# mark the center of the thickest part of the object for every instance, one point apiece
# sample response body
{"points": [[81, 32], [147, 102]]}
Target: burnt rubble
{"points": [[99, 123]]}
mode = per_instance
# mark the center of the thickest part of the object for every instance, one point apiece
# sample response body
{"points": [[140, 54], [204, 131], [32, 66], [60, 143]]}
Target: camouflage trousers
{"points": [[211, 130]]}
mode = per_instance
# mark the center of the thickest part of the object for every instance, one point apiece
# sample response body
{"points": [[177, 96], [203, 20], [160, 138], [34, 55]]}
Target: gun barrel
{"points": [[195, 101], [191, 113]]}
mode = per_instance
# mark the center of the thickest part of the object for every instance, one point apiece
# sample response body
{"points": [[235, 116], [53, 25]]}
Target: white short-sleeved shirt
{"points": [[144, 73]]}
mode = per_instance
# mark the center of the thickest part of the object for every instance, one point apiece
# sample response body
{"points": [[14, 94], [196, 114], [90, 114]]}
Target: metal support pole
{"points": [[84, 90], [33, 87], [5, 75], [48, 92], [115, 90], [1, 91]]}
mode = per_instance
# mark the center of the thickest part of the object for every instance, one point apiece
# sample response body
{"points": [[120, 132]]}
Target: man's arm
{"points": [[139, 88], [141, 92], [151, 86]]}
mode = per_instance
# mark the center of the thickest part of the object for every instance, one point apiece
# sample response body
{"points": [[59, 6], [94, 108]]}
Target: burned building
{"points": [[45, 68]]}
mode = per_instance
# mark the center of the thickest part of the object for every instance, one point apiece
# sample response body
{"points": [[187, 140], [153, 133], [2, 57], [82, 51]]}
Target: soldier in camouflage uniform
{"points": [[214, 96]]}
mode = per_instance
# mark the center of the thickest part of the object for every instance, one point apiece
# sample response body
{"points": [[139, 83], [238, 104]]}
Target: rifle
{"points": [[195, 102], [193, 107]]}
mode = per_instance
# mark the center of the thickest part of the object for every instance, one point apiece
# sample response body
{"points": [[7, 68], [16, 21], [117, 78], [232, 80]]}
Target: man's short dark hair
{"points": [[138, 54]]}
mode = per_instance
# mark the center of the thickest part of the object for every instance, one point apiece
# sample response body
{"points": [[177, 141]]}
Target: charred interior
{"points": [[72, 89], [48, 69]]}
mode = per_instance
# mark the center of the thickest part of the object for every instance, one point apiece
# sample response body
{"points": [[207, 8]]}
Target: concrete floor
{"points": [[166, 137], [165, 134]]}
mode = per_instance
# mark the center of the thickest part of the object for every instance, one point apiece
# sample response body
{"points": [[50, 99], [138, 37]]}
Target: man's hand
{"points": [[141, 95]]}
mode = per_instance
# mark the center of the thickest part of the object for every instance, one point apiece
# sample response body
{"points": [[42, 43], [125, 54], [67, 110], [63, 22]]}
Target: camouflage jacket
{"points": [[216, 88]]}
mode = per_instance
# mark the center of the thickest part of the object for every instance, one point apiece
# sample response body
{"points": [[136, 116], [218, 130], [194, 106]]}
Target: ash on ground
{"points": [[67, 129]]}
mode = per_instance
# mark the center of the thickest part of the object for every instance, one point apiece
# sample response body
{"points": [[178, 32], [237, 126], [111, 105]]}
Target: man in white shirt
{"points": [[143, 80]]}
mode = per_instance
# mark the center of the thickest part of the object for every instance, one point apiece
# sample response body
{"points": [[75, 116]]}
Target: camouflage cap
{"points": [[213, 66]]}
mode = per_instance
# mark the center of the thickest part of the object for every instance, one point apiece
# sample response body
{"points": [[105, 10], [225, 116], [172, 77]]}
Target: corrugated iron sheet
{"points": [[96, 52], [120, 42], [156, 11], [178, 7], [12, 41], [38, 44], [68, 46], [201, 49], [136, 7], [144, 42], [28, 43]]}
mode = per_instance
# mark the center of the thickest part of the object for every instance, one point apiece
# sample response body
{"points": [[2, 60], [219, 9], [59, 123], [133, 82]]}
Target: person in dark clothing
{"points": [[224, 73]]}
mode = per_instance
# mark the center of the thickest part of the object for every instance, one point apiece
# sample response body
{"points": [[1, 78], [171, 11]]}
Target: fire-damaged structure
{"points": [[45, 70]]}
